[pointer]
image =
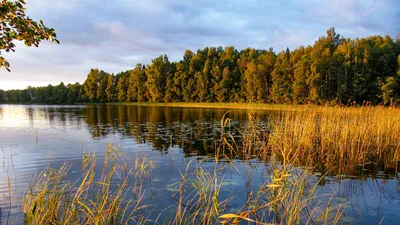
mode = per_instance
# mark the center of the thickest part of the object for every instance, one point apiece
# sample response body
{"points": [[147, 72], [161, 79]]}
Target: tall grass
{"points": [[337, 139], [288, 197], [109, 197]]}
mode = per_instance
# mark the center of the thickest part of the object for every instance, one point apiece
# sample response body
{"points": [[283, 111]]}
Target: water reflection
{"points": [[194, 130]]}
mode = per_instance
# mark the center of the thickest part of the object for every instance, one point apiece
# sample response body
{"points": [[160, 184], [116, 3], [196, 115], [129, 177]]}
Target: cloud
{"points": [[115, 35]]}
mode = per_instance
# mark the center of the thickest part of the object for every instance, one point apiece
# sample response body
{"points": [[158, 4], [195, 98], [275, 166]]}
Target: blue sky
{"points": [[115, 35]]}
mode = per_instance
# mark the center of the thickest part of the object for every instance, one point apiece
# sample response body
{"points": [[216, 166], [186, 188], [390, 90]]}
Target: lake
{"points": [[33, 137]]}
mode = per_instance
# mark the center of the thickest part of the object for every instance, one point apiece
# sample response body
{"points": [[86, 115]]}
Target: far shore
{"points": [[214, 105]]}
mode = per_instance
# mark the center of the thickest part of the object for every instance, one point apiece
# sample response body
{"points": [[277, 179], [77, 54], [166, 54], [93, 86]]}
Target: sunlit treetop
{"points": [[15, 25]]}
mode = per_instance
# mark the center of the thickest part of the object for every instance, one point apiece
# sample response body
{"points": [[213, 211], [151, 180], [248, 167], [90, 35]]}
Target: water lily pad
{"points": [[345, 206], [340, 199], [171, 189], [372, 213], [229, 182], [348, 219], [172, 185], [232, 182]]}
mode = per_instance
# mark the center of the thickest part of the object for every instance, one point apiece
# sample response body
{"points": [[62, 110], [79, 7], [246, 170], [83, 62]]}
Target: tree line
{"points": [[333, 70]]}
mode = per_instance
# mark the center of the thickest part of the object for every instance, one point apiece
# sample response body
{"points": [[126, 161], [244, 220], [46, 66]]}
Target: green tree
{"points": [[111, 86], [74, 94], [265, 66], [141, 79], [231, 76], [251, 82], [101, 94], [60, 94], [170, 94], [48, 94], [222, 88], [131, 94], [389, 90], [323, 77], [15, 25], [282, 79], [302, 73], [332, 70], [82, 94], [91, 84], [137, 91], [157, 74], [2, 96], [180, 82], [184, 77], [245, 67], [122, 89], [344, 56]]}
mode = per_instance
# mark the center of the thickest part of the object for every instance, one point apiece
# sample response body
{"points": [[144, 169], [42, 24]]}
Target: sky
{"points": [[116, 35]]}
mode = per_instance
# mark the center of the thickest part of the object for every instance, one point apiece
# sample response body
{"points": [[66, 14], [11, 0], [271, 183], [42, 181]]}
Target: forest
{"points": [[334, 70]]}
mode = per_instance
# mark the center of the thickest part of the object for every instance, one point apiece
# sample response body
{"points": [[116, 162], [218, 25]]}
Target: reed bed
{"points": [[337, 139]]}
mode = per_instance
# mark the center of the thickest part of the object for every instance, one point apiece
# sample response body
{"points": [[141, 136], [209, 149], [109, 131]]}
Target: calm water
{"points": [[33, 137]]}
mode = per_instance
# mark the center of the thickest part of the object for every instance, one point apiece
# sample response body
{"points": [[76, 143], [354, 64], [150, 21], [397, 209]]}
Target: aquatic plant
{"points": [[337, 139], [109, 197]]}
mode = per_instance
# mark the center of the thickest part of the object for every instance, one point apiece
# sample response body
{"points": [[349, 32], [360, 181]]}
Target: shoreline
{"points": [[213, 105]]}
